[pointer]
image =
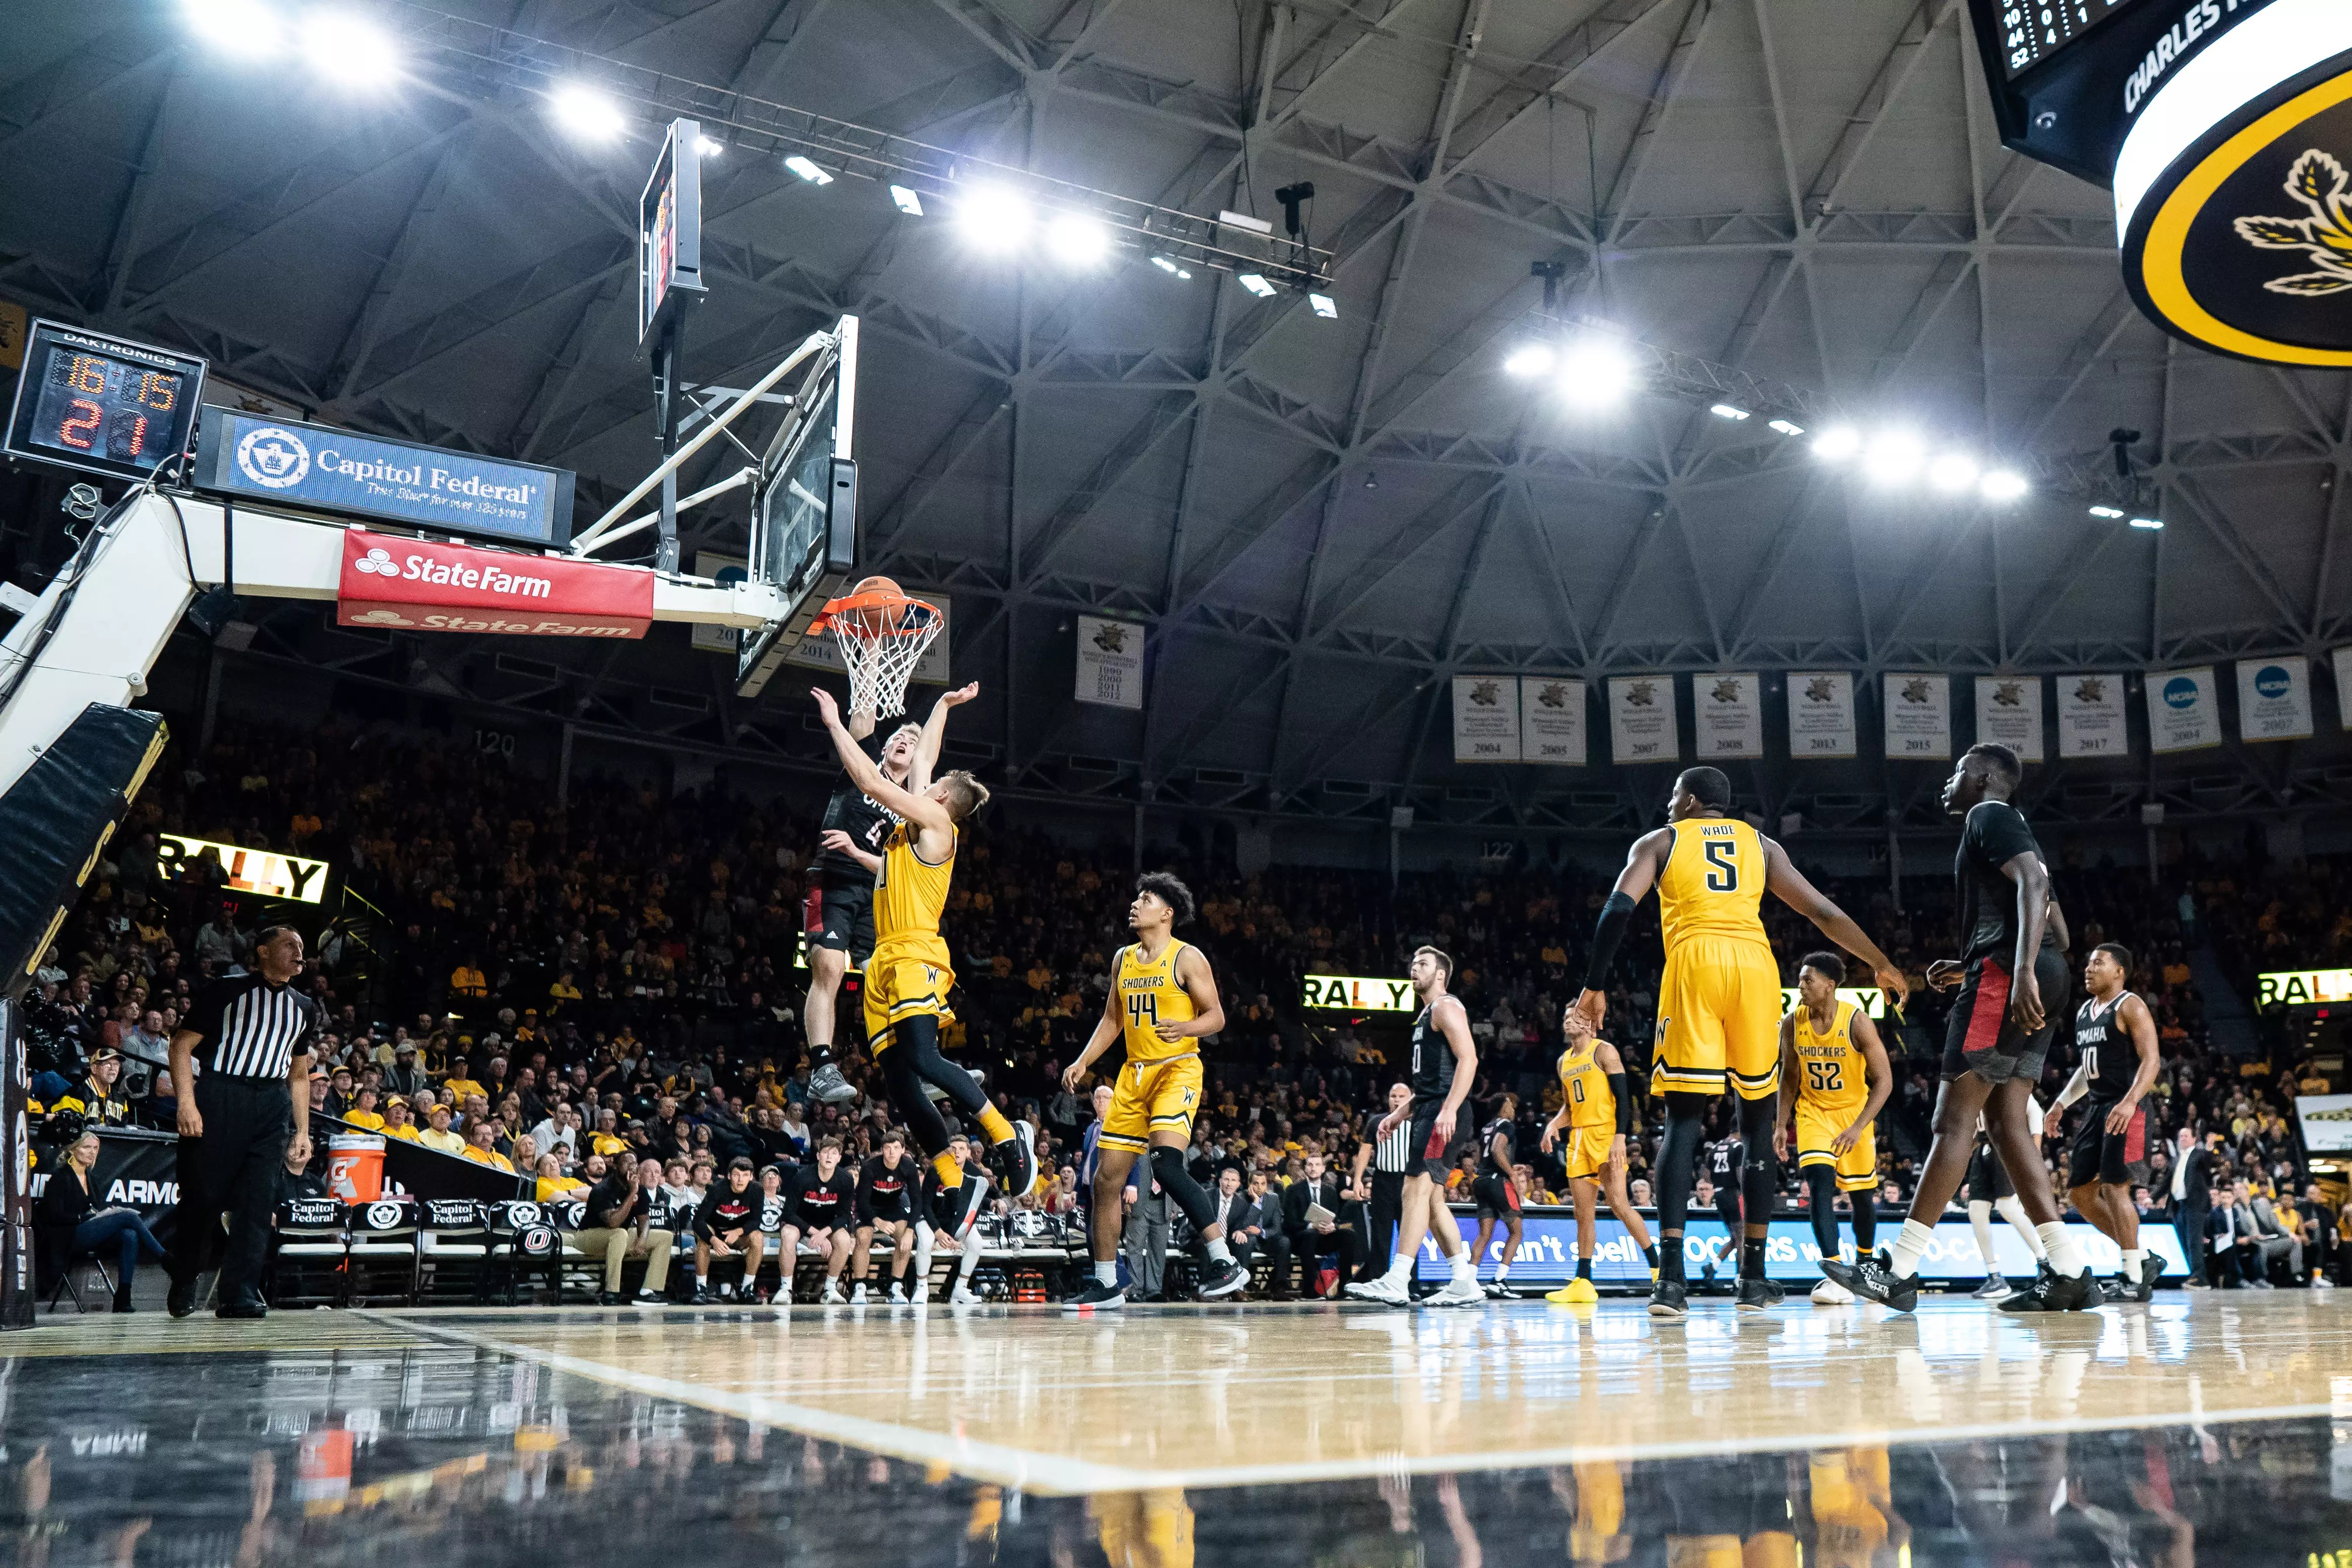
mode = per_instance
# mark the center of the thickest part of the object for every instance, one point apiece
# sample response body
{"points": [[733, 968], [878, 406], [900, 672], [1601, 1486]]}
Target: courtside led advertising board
{"points": [[100, 403]]}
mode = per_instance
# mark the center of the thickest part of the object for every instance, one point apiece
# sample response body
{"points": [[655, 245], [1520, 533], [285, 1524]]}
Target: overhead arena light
{"points": [[1168, 266], [247, 29], [1893, 456], [1533, 360], [349, 50], [1594, 373], [2003, 484], [586, 112], [2148, 522], [1324, 306], [1953, 472], [808, 170], [1728, 411], [995, 217], [906, 201], [1837, 444], [1256, 284], [1077, 240], [1785, 428], [2106, 511]]}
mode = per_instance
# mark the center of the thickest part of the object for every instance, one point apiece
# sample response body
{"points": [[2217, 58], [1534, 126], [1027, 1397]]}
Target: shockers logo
{"points": [[274, 458], [2318, 182]]}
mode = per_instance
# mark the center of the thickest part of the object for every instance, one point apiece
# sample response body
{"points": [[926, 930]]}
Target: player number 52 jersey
{"points": [[1149, 995], [1830, 1065]]}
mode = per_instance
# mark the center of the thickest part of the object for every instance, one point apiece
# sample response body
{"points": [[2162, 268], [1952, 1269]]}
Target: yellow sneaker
{"points": [[1576, 1293]]}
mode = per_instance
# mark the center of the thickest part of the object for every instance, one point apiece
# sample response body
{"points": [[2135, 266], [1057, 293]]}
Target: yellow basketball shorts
{"points": [[1152, 1097], [1718, 1020], [1818, 1126], [899, 988], [1586, 1151]]}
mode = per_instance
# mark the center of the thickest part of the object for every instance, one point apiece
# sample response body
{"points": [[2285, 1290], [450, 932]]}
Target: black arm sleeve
{"points": [[1607, 933], [1620, 1085]]}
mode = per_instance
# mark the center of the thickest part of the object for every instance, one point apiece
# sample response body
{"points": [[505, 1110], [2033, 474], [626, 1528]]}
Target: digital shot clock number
{"points": [[100, 403]]}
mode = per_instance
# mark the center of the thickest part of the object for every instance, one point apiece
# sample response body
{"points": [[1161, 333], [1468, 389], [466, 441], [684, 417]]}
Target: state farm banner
{"points": [[1821, 713], [1486, 718], [2009, 710], [1552, 720], [1642, 719], [1110, 662], [2183, 713], [1728, 712], [2091, 716], [1917, 717], [2275, 698], [417, 585]]}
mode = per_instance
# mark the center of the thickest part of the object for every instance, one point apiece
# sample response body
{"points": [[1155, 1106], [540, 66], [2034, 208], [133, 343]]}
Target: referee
{"points": [[1388, 1164], [248, 1117]]}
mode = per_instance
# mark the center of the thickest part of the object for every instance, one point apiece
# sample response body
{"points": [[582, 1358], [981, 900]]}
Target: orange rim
{"points": [[901, 601]]}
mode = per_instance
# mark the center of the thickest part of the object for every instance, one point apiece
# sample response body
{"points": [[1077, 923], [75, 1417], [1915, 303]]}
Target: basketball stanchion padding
{"points": [[883, 634]]}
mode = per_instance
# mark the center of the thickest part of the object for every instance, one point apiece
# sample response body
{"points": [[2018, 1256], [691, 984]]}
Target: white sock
{"points": [[1400, 1269], [2012, 1208], [1219, 1252], [1465, 1267], [1910, 1246], [2065, 1252], [1502, 1272], [1106, 1273], [2134, 1259]]}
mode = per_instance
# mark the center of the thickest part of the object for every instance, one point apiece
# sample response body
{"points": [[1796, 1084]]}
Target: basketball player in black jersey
{"points": [[1494, 1192], [2117, 1035], [1725, 1163], [837, 917], [1444, 1060]]}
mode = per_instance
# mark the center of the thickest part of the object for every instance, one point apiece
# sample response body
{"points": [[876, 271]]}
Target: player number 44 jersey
{"points": [[1149, 995]]}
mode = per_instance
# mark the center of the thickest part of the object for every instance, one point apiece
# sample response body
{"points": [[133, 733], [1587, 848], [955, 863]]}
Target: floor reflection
{"points": [[458, 1457]]}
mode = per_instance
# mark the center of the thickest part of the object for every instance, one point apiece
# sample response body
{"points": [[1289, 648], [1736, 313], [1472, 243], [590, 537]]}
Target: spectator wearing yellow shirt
{"points": [[468, 981], [480, 1146], [436, 1134], [563, 993], [396, 1123], [461, 1084], [554, 1186], [607, 1139], [363, 1113]]}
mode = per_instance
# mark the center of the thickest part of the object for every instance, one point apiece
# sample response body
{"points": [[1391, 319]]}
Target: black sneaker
{"points": [[1758, 1295], [1875, 1279], [1222, 1277], [245, 1307], [2054, 1292], [2151, 1270], [1014, 1161], [182, 1302], [701, 1297], [954, 1208], [608, 1298], [1097, 1297], [828, 1085], [1670, 1299]]}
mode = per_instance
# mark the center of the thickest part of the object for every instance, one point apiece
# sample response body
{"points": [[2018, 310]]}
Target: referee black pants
{"points": [[237, 1167], [1388, 1213]]}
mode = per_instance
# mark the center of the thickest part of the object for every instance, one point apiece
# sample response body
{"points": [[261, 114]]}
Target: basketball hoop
{"points": [[882, 633]]}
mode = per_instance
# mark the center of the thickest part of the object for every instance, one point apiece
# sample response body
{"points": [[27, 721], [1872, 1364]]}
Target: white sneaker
{"points": [[963, 1296], [2322, 1282], [1462, 1291], [897, 1292], [1380, 1288], [857, 1294], [921, 1294], [830, 1295], [1830, 1293]]}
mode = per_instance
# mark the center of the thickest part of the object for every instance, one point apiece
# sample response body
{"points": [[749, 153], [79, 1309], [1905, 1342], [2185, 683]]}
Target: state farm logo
{"points": [[382, 618], [377, 562], [273, 458]]}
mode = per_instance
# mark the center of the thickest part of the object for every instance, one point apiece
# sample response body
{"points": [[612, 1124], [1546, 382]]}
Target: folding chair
{"points": [[308, 1254], [453, 1252], [75, 1277], [383, 1260], [523, 1240], [576, 1266]]}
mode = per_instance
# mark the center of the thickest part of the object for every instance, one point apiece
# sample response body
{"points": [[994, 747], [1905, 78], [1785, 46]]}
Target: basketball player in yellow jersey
{"points": [[1596, 1113], [1162, 1001], [1831, 1055], [1718, 1003], [1854, 1506], [909, 975]]}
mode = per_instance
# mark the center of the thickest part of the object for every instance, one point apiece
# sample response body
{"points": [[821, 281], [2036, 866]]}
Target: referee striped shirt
{"points": [[252, 1029], [1389, 1153]]}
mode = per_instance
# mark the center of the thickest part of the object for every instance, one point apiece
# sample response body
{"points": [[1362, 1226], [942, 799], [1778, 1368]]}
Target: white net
{"points": [[881, 644]]}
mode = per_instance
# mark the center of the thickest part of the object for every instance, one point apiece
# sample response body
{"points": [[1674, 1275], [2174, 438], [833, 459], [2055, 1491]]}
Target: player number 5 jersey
{"points": [[1149, 995], [1830, 1065], [1713, 883]]}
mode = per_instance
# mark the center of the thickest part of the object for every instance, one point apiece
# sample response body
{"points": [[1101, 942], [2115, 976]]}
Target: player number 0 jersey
{"points": [[1830, 1065], [1149, 994], [1585, 1090]]}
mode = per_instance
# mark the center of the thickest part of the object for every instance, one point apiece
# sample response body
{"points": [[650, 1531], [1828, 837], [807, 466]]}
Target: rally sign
{"points": [[1355, 993], [417, 585]]}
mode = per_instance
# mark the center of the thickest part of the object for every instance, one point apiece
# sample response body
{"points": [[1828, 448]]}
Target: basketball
{"points": [[874, 620]]}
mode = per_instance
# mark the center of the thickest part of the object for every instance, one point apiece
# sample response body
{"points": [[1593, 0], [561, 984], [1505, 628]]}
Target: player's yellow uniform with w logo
{"points": [[1591, 1112], [1158, 1088], [911, 972], [1719, 1001], [1832, 1089]]}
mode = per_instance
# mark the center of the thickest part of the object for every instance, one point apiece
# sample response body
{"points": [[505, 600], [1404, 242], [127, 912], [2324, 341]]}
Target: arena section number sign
{"points": [[1358, 994], [103, 405]]}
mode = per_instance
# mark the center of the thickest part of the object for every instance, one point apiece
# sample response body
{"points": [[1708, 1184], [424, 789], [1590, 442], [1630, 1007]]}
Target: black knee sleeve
{"points": [[1865, 1223], [1168, 1164], [920, 1037], [901, 1076], [1821, 1181], [1677, 1171], [1758, 1172]]}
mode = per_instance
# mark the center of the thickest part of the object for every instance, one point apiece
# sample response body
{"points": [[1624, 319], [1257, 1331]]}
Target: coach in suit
{"points": [[2193, 1202], [1309, 1242]]}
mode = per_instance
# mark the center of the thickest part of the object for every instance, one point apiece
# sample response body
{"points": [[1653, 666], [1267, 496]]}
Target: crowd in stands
{"points": [[546, 990]]}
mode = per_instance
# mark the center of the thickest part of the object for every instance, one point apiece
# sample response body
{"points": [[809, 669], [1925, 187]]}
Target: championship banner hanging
{"points": [[1642, 719], [2182, 713], [2090, 719], [1110, 662], [2009, 710], [1917, 716], [2275, 698], [1728, 712], [1486, 718], [1552, 720], [417, 585], [1821, 713]]}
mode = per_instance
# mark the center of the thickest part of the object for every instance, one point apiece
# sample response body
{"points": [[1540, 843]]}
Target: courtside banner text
{"points": [[265, 872], [1356, 993], [415, 585]]}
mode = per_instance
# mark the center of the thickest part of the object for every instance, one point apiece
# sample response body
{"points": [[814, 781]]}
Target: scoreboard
{"points": [[2030, 31], [100, 403]]}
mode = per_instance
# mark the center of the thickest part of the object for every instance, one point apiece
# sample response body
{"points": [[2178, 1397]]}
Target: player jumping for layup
{"points": [[2013, 980], [837, 917], [1831, 1054], [1719, 1003], [1596, 1111], [1162, 1000], [910, 976], [1444, 1060]]}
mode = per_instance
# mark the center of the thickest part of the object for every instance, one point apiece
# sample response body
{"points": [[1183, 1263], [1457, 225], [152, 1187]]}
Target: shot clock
{"points": [[100, 403]]}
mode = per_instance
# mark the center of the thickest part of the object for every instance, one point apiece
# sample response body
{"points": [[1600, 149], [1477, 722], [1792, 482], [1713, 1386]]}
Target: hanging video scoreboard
{"points": [[669, 230], [101, 403]]}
